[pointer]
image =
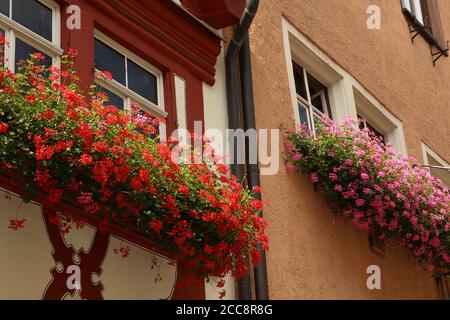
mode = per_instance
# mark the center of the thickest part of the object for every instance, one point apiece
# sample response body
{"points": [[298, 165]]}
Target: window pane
{"points": [[300, 82], [2, 46], [107, 59], [24, 50], [35, 16], [318, 93], [442, 174], [4, 7], [113, 99], [363, 123], [303, 116], [317, 102], [142, 82]]}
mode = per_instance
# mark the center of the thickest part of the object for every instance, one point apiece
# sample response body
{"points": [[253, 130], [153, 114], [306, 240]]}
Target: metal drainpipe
{"points": [[234, 110], [253, 173]]}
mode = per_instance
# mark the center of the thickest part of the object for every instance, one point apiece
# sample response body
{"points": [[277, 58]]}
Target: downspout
{"points": [[236, 122], [253, 173]]}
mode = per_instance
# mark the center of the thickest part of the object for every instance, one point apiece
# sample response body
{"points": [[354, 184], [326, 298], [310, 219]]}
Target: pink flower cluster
{"points": [[378, 189]]}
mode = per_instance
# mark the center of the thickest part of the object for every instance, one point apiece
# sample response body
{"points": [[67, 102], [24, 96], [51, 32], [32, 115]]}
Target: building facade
{"points": [[383, 61], [351, 68]]}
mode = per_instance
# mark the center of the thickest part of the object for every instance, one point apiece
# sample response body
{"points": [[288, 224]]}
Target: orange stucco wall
{"points": [[310, 257]]}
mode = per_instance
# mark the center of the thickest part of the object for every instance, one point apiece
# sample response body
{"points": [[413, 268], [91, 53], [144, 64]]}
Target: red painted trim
{"points": [[159, 31], [217, 13], [161, 49], [187, 287], [194, 102], [170, 102], [83, 41]]}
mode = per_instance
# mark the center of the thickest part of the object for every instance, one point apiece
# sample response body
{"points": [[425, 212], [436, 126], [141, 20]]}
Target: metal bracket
{"points": [[438, 54], [415, 31]]}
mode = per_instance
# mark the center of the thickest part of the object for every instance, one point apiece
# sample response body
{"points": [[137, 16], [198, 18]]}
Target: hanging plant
{"points": [[77, 148], [378, 189]]}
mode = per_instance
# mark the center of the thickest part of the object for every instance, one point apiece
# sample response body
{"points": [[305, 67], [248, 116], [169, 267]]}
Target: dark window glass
{"points": [[303, 115], [2, 46], [35, 16], [365, 124], [113, 99], [24, 50], [142, 82], [317, 92], [107, 59], [317, 102], [4, 7], [300, 82]]}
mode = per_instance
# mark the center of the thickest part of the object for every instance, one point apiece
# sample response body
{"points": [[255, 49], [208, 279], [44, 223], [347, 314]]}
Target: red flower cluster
{"points": [[124, 252], [16, 224], [77, 147]]}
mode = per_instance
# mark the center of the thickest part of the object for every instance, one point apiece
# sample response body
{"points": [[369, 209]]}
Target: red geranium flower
{"points": [[16, 224], [156, 225], [3, 128]]}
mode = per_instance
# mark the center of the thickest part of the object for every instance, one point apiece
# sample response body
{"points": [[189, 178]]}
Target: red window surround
{"points": [[158, 31]]}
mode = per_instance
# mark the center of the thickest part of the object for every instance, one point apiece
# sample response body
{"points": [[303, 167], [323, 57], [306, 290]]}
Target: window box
{"points": [[378, 189]]}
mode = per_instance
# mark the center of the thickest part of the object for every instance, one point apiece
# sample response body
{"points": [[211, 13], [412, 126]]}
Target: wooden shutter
{"points": [[435, 22]]}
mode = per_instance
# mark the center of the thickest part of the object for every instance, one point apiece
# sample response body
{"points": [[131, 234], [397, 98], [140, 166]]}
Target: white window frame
{"points": [[15, 30], [128, 95], [428, 153], [344, 91], [415, 7]]}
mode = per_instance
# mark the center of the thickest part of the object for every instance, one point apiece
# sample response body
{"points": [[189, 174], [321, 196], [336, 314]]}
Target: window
{"points": [[439, 168], [377, 245], [375, 117], [312, 97], [30, 26], [133, 79], [364, 123], [425, 17], [418, 8]]}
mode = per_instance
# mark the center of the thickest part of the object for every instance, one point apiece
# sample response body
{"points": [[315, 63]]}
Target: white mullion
{"points": [[305, 79], [10, 8], [127, 104], [324, 103], [11, 63], [308, 95], [126, 71], [418, 10]]}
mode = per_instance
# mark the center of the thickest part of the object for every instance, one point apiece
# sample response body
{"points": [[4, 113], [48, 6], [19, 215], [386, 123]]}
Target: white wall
{"points": [[216, 117]]}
